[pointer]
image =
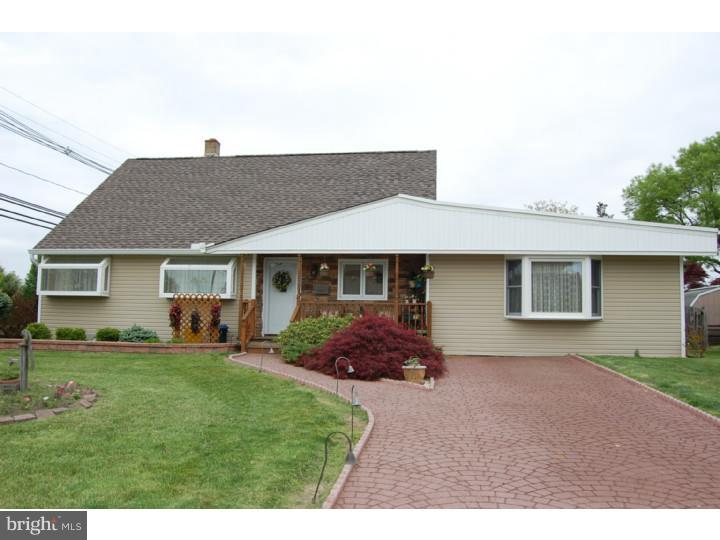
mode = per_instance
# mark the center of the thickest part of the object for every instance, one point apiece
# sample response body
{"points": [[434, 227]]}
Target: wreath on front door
{"points": [[281, 280]]}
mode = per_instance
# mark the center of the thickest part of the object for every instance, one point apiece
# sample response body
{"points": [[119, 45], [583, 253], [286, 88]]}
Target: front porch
{"points": [[329, 285]]}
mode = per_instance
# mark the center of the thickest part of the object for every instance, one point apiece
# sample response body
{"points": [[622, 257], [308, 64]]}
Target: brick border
{"points": [[342, 478], [667, 397], [120, 346], [87, 401]]}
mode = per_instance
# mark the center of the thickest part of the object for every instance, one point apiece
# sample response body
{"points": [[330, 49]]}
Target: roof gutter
{"points": [[118, 251]]}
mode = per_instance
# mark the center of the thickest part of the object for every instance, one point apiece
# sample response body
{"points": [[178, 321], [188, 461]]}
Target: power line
{"points": [[111, 158], [43, 179], [23, 221], [12, 124], [65, 121], [29, 217], [31, 206]]}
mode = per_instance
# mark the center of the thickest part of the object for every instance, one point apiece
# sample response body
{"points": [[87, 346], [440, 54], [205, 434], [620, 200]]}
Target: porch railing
{"points": [[413, 316], [247, 323]]}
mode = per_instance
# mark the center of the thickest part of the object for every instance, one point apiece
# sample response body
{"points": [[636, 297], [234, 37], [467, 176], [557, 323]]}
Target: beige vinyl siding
{"points": [[641, 310], [134, 299]]}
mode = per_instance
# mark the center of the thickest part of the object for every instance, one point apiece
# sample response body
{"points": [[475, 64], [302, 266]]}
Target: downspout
{"points": [[683, 339]]}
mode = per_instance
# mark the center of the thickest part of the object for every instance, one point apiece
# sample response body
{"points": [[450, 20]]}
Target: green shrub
{"points": [[39, 330], [153, 340], [176, 340], [107, 334], [6, 305], [302, 336], [71, 334], [138, 334]]}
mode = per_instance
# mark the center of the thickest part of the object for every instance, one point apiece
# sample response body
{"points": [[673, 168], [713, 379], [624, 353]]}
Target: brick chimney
{"points": [[212, 148]]}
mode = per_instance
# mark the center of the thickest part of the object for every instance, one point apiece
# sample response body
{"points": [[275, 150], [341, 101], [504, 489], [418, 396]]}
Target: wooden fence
{"points": [[696, 328]]}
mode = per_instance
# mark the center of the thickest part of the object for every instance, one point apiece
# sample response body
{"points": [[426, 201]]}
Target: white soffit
{"points": [[405, 224]]}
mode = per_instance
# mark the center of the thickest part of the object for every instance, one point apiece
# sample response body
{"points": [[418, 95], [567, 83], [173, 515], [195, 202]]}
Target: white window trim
{"points": [[362, 296], [526, 294], [229, 276], [101, 288]]}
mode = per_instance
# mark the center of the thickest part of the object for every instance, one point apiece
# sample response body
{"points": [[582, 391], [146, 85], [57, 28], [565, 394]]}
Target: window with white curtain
{"points": [[207, 275], [553, 288], [74, 276]]}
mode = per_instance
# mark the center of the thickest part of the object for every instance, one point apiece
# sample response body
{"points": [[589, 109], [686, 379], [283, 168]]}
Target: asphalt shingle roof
{"points": [[173, 202]]}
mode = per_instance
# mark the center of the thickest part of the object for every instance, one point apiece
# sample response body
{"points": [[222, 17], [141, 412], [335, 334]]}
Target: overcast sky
{"points": [[514, 118]]}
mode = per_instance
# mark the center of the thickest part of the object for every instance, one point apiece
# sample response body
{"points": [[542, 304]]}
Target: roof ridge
{"points": [[371, 152]]}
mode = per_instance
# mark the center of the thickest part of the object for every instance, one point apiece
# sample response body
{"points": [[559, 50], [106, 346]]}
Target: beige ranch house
{"points": [[284, 237]]}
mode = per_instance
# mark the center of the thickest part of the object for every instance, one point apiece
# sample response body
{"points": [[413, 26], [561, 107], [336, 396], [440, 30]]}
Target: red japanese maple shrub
{"points": [[376, 347]]}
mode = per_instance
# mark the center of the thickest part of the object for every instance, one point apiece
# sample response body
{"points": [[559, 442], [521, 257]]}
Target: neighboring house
{"points": [[707, 299], [352, 231]]}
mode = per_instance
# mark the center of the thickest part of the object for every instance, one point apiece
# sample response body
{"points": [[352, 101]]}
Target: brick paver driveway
{"points": [[528, 432]]}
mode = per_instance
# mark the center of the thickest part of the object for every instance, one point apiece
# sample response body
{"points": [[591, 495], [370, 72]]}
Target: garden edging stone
{"points": [[84, 402]]}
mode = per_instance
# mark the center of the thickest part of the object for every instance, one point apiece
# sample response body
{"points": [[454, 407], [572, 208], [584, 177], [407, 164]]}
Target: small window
{"points": [[74, 277], [197, 276], [363, 279], [596, 287], [514, 287]]}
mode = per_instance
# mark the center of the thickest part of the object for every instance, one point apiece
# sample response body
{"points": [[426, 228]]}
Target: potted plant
{"points": [[370, 268], [324, 268], [413, 370], [10, 376], [428, 271]]}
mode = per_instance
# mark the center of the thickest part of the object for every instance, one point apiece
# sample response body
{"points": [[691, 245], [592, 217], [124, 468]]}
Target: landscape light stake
{"points": [[337, 371], [261, 360], [349, 458], [354, 402]]}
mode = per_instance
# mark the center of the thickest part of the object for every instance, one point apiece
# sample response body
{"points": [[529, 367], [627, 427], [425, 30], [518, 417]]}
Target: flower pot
{"points": [[414, 374], [9, 385], [429, 274]]}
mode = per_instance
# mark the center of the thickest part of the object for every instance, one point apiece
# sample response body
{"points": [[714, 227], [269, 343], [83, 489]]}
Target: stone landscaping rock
{"points": [[85, 403], [90, 397], [44, 413], [24, 417], [59, 410], [6, 420]]}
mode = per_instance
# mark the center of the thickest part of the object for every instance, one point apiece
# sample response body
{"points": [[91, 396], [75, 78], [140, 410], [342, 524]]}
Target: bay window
{"points": [[74, 276], [207, 275], [362, 279], [553, 288]]}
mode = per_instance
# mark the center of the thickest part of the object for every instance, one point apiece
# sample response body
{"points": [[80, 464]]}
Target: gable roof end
{"points": [[407, 224]]}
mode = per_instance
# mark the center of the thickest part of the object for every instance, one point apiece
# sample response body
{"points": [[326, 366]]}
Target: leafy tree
{"points": [[555, 207], [685, 193], [6, 305], [695, 275], [30, 284], [601, 210], [10, 283]]}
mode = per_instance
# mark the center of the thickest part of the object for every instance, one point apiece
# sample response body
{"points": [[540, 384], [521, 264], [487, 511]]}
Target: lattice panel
{"points": [[203, 303]]}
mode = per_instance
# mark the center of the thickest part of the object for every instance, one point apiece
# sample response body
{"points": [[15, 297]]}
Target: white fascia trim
{"points": [[116, 251], [692, 304], [421, 250]]}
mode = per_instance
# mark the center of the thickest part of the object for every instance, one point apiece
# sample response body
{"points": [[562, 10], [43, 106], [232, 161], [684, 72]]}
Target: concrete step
{"points": [[263, 346]]}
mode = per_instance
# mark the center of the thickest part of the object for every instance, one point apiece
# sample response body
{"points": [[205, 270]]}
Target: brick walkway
{"points": [[531, 433]]}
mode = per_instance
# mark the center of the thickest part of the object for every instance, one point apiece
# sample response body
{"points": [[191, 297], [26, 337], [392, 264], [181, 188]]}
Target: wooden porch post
{"points": [[298, 301], [397, 287], [241, 311]]}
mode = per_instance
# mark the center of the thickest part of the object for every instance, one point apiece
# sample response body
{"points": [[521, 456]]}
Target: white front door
{"points": [[278, 305]]}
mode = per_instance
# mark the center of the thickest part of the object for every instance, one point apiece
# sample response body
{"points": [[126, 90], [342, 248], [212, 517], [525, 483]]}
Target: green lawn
{"points": [[693, 380], [172, 431]]}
